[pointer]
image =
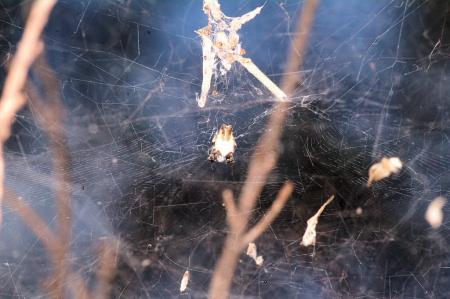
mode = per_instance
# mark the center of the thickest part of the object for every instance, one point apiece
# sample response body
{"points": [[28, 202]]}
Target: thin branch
{"points": [[256, 71], [32, 220], [45, 235], [78, 287], [297, 51], [230, 206], [262, 162], [107, 268], [50, 115], [13, 98], [269, 217]]}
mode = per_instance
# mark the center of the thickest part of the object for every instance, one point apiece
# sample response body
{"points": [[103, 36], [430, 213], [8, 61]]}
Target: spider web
{"points": [[375, 84]]}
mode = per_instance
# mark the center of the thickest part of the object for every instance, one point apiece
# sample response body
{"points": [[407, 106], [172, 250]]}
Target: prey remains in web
{"points": [[223, 145], [221, 48]]}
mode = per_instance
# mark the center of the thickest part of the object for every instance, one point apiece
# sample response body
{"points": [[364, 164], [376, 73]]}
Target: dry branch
{"points": [[106, 271], [32, 220], [50, 115], [261, 164], [45, 235], [13, 98]]}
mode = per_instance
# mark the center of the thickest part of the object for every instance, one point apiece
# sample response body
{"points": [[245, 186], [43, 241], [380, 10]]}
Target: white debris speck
{"points": [[184, 281], [93, 128], [145, 263], [259, 260], [309, 237], [434, 214], [252, 252], [359, 211], [383, 169]]}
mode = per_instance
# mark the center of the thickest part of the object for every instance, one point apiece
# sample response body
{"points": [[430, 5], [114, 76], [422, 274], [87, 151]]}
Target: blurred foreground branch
{"points": [[108, 251], [13, 98], [262, 162], [50, 114]]}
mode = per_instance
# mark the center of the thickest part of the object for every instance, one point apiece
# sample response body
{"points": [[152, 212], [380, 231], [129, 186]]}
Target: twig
{"points": [[270, 216], [256, 71], [13, 98], [107, 268], [32, 220], [50, 115], [45, 235], [261, 164], [78, 287], [230, 206]]}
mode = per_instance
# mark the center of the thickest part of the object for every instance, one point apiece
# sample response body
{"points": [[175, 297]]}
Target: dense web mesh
{"points": [[375, 84]]}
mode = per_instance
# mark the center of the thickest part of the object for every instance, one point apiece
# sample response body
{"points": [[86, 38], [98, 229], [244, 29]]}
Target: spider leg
{"points": [[229, 158]]}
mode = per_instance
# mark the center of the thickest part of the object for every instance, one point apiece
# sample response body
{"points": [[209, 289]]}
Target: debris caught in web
{"points": [[309, 237], [223, 145], [252, 252], [434, 214], [383, 169], [220, 40], [184, 281]]}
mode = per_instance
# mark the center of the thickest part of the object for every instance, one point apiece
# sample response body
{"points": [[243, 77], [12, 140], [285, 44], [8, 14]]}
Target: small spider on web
{"points": [[220, 39]]}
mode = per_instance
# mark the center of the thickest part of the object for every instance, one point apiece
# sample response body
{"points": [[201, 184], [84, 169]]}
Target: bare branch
{"points": [[32, 220], [107, 268], [50, 115], [45, 235], [78, 287], [256, 71], [297, 51], [230, 206], [269, 217], [262, 162], [13, 98]]}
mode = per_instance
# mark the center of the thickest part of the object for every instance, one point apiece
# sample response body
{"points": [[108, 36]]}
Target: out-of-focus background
{"points": [[376, 83]]}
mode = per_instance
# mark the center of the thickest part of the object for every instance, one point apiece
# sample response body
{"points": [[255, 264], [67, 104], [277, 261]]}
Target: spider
{"points": [[223, 145]]}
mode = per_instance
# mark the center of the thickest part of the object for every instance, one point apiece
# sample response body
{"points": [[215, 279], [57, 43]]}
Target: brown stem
{"points": [[262, 162], [107, 268], [32, 220], [50, 115], [269, 217], [46, 236], [13, 98]]}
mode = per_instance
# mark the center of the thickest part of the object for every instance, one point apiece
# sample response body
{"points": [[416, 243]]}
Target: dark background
{"points": [[375, 84]]}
